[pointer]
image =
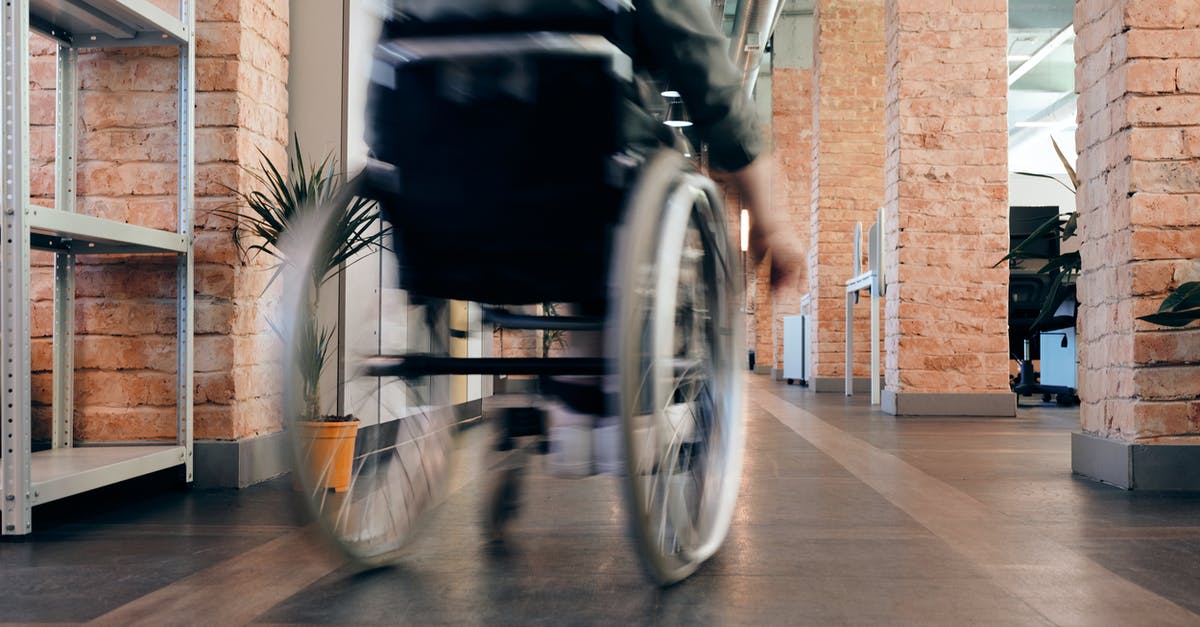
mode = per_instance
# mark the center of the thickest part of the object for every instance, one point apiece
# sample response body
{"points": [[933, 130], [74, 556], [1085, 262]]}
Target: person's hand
{"points": [[787, 260]]}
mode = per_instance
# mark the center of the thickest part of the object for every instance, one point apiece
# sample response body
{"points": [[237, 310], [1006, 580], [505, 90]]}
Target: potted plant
{"points": [[264, 216], [1061, 271]]}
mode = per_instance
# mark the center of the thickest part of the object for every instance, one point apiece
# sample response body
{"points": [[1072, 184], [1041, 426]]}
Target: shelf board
{"points": [[51, 229], [104, 23], [59, 473]]}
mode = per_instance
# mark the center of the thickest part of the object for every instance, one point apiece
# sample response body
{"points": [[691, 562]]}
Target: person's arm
{"points": [[686, 46], [768, 234], [685, 42]]}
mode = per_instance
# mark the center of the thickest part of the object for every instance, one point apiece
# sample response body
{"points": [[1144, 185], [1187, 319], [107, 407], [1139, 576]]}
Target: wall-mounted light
{"points": [[745, 230]]}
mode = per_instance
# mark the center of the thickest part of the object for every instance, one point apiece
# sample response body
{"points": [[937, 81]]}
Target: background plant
{"points": [[291, 196], [1063, 268], [555, 337], [1180, 308]]}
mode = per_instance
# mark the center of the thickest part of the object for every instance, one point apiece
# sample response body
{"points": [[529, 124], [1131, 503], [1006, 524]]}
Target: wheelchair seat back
{"points": [[494, 159], [426, 18]]}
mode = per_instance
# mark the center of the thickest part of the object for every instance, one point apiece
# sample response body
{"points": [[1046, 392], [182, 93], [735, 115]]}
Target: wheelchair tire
{"points": [[406, 436], [678, 340]]}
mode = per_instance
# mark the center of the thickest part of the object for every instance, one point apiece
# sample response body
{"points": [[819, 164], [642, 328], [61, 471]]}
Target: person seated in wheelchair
{"points": [[507, 169], [512, 152], [507, 135]]}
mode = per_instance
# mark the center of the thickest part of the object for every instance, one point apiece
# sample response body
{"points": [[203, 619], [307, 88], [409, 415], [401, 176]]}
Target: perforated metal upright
{"points": [[28, 478]]}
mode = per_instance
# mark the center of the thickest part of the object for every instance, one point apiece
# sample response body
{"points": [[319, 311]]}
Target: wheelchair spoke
{"points": [[404, 443]]}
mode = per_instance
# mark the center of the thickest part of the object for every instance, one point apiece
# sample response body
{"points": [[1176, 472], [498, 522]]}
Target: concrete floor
{"points": [[847, 517]]}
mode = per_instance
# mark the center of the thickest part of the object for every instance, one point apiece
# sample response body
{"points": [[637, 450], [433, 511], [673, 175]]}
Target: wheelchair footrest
{"points": [[522, 421]]}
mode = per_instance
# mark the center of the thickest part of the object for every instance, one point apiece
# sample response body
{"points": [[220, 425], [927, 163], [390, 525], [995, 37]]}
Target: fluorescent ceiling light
{"points": [[1063, 36], [678, 123], [671, 93]]}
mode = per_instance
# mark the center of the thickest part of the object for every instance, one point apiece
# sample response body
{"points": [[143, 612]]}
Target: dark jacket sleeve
{"points": [[684, 43]]}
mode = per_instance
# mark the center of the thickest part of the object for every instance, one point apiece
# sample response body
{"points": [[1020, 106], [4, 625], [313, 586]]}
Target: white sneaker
{"points": [[570, 441], [607, 446]]}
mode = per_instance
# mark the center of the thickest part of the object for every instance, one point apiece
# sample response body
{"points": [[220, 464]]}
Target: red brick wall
{"points": [[235, 351], [1138, 76], [764, 336], [792, 135], [847, 183], [125, 307], [947, 197]]}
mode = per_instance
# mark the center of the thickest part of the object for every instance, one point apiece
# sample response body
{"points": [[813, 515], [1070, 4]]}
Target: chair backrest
{"points": [[875, 244], [423, 18], [857, 249], [499, 146]]}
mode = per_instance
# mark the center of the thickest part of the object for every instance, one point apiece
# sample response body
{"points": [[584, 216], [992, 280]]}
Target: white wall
{"points": [[1032, 191], [332, 44], [314, 66]]}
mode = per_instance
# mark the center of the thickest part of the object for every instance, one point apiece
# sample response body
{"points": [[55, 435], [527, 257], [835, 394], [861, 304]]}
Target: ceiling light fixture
{"points": [[677, 116]]}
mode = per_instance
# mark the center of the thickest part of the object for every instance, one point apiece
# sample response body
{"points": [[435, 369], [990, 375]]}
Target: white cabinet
{"points": [[797, 351]]}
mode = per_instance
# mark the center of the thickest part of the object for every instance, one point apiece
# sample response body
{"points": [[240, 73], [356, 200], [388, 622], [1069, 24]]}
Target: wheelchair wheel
{"points": [[399, 465], [678, 338]]}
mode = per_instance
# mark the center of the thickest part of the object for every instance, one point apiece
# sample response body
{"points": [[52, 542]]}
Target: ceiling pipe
{"points": [[718, 11], [753, 24]]}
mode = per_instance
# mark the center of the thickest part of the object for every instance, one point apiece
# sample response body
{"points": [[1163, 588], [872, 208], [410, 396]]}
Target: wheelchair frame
{"points": [[673, 331]]}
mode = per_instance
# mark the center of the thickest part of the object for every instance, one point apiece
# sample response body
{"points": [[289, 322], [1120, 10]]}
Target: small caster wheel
{"points": [[1046, 398], [791, 381], [1066, 400]]}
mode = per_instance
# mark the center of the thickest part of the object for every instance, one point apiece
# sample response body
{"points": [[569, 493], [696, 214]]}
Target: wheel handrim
{"points": [[680, 402], [403, 448]]}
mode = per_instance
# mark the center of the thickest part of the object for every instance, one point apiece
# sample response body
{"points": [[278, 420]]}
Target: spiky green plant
{"points": [[1063, 269], [1180, 308], [552, 338], [292, 196]]}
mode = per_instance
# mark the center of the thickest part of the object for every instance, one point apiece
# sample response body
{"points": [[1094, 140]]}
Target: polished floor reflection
{"points": [[847, 517]]}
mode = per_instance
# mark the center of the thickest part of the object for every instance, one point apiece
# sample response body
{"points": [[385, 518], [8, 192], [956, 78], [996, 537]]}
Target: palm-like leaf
{"points": [[1179, 309], [1062, 269], [285, 199], [1066, 164]]}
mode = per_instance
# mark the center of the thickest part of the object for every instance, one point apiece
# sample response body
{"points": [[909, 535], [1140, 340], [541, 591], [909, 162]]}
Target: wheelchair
{"points": [[498, 162]]}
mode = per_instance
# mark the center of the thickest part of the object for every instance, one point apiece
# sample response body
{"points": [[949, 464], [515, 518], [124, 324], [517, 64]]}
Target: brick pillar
{"points": [[847, 182], [241, 67], [947, 209], [792, 135], [1138, 76]]}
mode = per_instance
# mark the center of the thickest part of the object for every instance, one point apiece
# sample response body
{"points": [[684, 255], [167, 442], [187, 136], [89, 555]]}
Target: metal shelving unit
{"points": [[28, 478]]}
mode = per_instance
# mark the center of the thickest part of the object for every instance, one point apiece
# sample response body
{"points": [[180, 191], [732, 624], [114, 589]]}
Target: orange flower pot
{"points": [[330, 453]]}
